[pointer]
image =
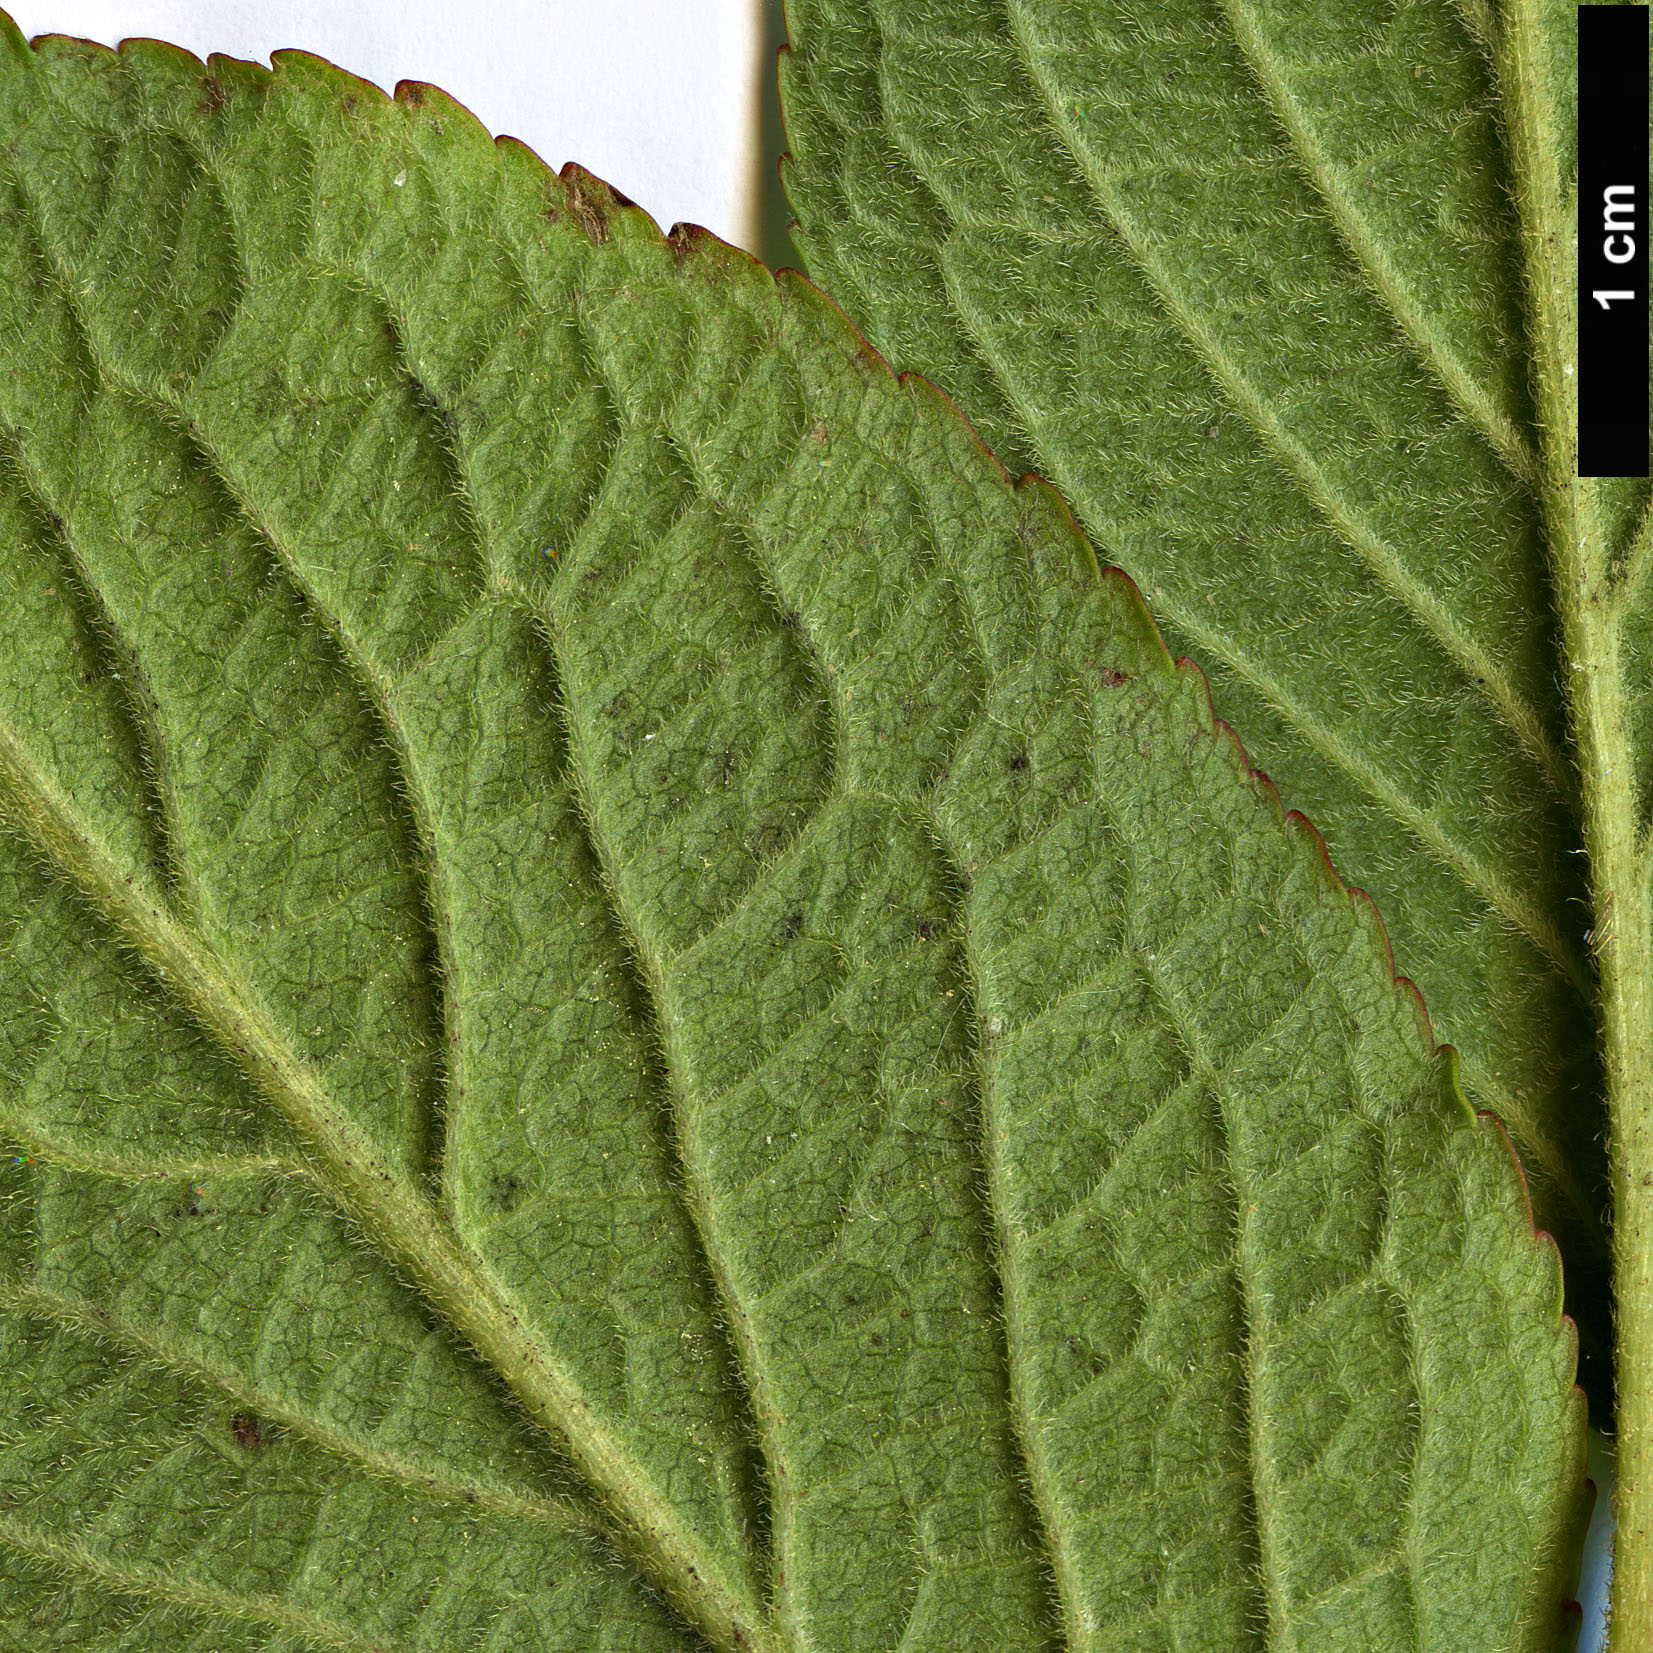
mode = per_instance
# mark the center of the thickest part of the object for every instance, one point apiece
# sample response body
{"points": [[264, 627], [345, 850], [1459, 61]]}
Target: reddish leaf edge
{"points": [[595, 205]]}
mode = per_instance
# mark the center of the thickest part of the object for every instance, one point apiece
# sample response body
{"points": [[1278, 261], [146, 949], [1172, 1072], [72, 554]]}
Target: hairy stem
{"points": [[1536, 95]]}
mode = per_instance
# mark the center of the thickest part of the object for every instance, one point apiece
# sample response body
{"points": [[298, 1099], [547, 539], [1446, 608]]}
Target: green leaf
{"points": [[636, 1010], [1246, 280]]}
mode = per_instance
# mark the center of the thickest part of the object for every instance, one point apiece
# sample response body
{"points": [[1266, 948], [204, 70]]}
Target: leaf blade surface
{"points": [[1245, 281], [756, 792]]}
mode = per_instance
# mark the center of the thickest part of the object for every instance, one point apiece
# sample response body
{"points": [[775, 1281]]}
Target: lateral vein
{"points": [[155, 1583], [1520, 912], [387, 1466], [1380, 557], [1385, 277], [1271, 1572], [133, 1169], [359, 1175]]}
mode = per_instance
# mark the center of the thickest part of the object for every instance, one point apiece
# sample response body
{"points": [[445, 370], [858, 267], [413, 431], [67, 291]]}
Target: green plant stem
{"points": [[1534, 88], [1623, 936]]}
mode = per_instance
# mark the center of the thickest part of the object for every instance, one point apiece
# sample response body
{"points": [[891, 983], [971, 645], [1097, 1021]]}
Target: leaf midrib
{"points": [[385, 694], [1592, 605]]}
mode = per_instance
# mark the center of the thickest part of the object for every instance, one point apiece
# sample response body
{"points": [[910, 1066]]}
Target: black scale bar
{"points": [[1613, 233]]}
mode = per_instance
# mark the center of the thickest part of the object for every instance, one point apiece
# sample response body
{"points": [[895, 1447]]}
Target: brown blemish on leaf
{"points": [[1113, 676], [244, 1426], [683, 238], [588, 212], [867, 359], [213, 95]]}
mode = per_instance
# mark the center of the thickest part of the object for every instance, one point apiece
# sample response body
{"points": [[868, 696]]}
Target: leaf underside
{"points": [[1244, 279], [635, 1010]]}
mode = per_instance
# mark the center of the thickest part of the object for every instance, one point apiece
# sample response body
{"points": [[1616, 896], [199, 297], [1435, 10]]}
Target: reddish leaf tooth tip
{"points": [[684, 239], [867, 356], [1410, 990]]}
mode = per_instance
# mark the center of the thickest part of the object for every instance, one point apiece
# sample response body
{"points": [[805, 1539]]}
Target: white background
{"points": [[658, 97], [662, 98]]}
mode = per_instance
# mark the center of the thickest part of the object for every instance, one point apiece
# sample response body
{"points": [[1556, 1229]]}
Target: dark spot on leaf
{"points": [[587, 207], [877, 1341], [793, 924], [683, 239], [1019, 762], [429, 401], [765, 840], [505, 1191], [928, 928], [790, 618], [213, 96], [1113, 676], [244, 1426], [412, 94]]}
